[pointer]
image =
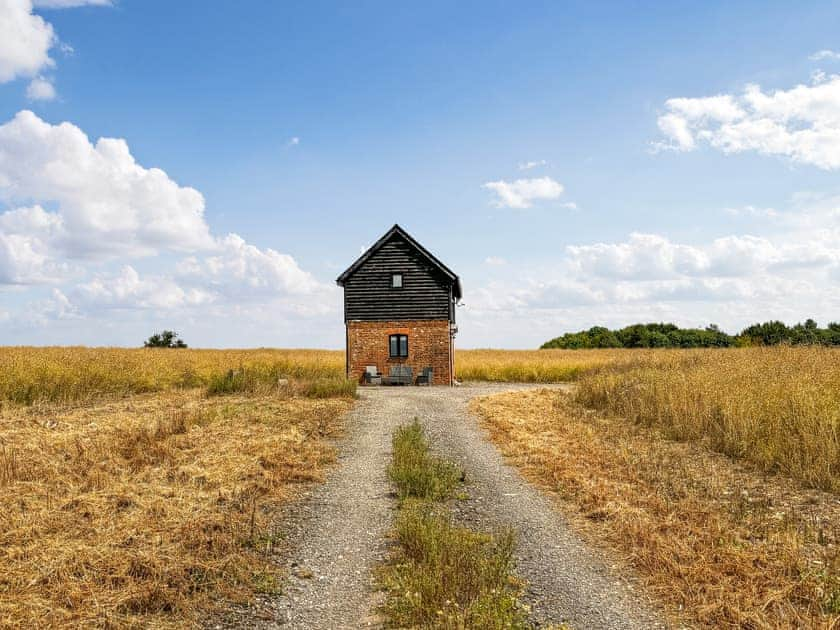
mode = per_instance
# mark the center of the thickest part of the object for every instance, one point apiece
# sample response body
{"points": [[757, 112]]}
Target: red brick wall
{"points": [[428, 346]]}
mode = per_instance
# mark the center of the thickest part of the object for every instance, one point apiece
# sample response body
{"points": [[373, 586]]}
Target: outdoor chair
{"points": [[372, 375], [426, 376]]}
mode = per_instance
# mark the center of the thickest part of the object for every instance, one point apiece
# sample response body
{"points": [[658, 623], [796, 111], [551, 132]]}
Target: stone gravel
{"points": [[338, 532]]}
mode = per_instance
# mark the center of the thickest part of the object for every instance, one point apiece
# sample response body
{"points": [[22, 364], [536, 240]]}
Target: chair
{"points": [[372, 375], [426, 376]]}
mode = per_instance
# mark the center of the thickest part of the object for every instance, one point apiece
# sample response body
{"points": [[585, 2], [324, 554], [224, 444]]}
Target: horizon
{"points": [[575, 165]]}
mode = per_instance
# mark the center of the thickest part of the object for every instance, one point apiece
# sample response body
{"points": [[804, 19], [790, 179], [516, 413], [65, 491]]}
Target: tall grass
{"points": [[532, 366], [65, 375], [778, 407]]}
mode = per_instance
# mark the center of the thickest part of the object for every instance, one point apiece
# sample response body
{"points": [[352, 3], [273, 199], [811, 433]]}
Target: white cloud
{"points": [[790, 271], [523, 192], [25, 41], [104, 207], [802, 123], [495, 261], [654, 257], [293, 141], [820, 55], [527, 166], [241, 270], [40, 89], [107, 204], [127, 290]]}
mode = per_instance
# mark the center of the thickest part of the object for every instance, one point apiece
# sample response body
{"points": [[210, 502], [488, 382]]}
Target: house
{"points": [[399, 309]]}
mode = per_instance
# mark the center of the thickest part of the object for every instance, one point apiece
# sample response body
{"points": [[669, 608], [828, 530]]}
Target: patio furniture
{"points": [[426, 376], [399, 375], [372, 375]]}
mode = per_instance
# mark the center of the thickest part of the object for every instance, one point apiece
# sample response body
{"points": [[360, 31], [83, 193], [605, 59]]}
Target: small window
{"points": [[398, 346], [396, 281]]}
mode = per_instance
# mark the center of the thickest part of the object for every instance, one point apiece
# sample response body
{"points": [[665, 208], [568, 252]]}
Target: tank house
{"points": [[399, 314]]}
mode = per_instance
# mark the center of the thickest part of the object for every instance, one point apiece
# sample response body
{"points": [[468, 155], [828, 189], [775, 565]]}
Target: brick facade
{"points": [[429, 345]]}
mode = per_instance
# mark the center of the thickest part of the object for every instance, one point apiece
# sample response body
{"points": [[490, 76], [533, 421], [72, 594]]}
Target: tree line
{"points": [[672, 336]]}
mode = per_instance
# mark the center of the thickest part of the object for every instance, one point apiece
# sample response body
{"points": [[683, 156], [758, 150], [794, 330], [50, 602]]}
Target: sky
{"points": [[213, 167]]}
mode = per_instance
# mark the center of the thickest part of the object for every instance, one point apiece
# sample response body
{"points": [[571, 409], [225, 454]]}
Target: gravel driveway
{"points": [[338, 533]]}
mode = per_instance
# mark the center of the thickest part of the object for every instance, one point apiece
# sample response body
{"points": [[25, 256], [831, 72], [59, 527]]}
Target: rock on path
{"points": [[338, 533]]}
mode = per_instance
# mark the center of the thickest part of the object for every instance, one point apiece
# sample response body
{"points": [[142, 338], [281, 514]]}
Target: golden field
{"points": [[141, 487], [720, 544], [133, 496], [68, 374], [715, 473]]}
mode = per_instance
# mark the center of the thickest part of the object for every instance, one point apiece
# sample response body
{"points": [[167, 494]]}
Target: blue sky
{"points": [[575, 163]]}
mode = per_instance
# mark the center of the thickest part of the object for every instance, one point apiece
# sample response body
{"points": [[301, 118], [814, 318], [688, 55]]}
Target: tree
{"points": [[165, 339]]}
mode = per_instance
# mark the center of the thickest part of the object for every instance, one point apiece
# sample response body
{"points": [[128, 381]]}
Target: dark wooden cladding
{"points": [[426, 292]]}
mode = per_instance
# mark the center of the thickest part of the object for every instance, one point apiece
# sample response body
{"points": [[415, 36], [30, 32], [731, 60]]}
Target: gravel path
{"points": [[338, 533]]}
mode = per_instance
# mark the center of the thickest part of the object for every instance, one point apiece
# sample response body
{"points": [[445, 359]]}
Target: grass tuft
{"points": [[416, 473]]}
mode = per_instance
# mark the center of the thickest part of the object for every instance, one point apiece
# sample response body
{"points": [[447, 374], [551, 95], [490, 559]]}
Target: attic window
{"points": [[396, 281]]}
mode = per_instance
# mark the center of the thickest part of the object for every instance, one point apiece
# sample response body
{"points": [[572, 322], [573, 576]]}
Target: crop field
{"points": [[715, 474], [143, 487], [138, 487]]}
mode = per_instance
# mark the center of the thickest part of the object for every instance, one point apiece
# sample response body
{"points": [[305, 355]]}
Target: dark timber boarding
{"points": [[429, 289]]}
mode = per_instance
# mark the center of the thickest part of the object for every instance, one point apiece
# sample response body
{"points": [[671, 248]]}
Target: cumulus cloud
{"points": [[790, 271], [40, 89], [95, 205], [106, 203], [522, 193], [801, 124], [25, 41], [127, 290], [238, 269]]}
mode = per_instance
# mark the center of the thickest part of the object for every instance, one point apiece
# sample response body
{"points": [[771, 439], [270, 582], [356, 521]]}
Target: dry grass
{"points": [[148, 510], [67, 374], [722, 544], [77, 374], [533, 366], [778, 407]]}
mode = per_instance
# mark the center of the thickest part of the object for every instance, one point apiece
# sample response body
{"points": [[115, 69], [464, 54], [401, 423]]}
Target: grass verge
{"points": [[718, 540], [443, 575]]}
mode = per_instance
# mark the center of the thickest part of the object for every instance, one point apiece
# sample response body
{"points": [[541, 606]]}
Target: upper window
{"points": [[396, 280], [398, 346]]}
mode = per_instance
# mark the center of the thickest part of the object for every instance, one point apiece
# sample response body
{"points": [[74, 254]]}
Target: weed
{"points": [[416, 472], [444, 575]]}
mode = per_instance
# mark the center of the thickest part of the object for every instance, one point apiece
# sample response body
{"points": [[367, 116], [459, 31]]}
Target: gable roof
{"points": [[398, 231]]}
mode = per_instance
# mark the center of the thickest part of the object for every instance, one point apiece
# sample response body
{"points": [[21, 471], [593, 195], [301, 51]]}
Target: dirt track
{"points": [[338, 533]]}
